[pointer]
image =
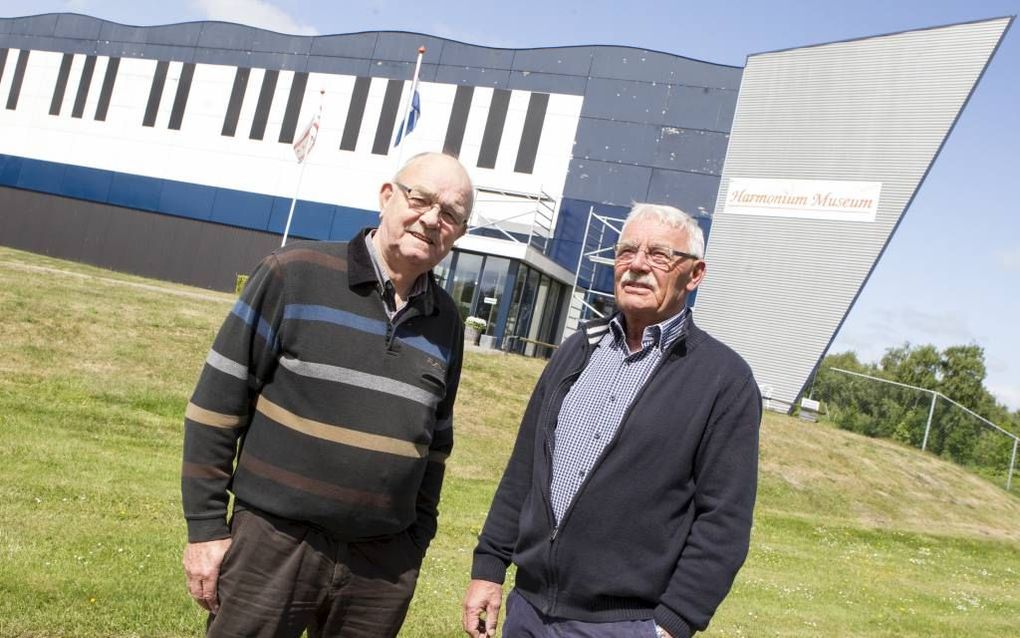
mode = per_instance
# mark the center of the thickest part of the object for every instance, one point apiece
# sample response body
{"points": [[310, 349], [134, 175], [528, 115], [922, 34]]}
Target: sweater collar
{"points": [[361, 272]]}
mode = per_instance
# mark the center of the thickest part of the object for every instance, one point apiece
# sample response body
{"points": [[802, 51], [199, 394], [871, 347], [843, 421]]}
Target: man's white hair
{"points": [[674, 218]]}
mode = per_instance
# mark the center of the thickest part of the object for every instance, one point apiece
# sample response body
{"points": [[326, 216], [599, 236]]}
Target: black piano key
{"points": [[19, 77], [58, 90], [258, 126], [387, 117], [155, 93], [107, 91], [356, 112], [493, 128], [83, 86], [290, 116], [181, 97], [458, 120], [533, 122], [236, 99]]}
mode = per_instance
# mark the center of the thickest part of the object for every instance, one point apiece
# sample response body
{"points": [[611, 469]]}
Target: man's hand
{"points": [[202, 568], [481, 608]]}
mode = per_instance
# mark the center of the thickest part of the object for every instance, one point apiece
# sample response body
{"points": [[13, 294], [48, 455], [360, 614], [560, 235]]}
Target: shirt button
{"points": [[612, 397], [580, 474], [597, 436]]}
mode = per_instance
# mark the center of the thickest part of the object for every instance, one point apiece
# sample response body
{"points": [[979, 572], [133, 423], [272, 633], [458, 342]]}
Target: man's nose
{"points": [[640, 261], [431, 216]]}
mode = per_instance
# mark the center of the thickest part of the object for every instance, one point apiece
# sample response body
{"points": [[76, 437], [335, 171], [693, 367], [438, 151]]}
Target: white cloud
{"points": [[1006, 394], [255, 13]]}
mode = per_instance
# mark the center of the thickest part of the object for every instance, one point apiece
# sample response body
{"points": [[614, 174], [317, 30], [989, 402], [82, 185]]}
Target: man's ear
{"points": [[697, 274], [385, 195]]}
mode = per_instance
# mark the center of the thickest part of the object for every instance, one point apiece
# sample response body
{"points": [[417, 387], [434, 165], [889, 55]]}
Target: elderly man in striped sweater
{"points": [[325, 407]]}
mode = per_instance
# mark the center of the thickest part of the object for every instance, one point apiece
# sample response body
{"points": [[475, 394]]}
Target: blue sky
{"points": [[951, 274]]}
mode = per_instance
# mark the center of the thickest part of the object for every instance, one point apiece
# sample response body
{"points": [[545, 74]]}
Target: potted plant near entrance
{"points": [[473, 329]]}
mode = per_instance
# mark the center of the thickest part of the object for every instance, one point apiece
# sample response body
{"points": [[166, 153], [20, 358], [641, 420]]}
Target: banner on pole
{"points": [[412, 118], [303, 145]]}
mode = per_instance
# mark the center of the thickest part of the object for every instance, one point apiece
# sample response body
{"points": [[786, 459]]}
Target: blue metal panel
{"points": [[339, 66], [473, 76], [548, 82], [87, 183], [312, 220], [187, 200], [135, 191], [562, 60], [240, 208], [41, 176], [701, 108], [10, 168], [5, 26], [348, 221], [351, 45], [615, 141], [691, 150], [256, 60], [226, 35], [113, 32], [624, 100], [70, 25], [607, 183], [692, 193], [470, 55]]}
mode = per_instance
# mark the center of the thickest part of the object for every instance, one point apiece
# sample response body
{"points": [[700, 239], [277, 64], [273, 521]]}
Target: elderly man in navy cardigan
{"points": [[626, 504]]}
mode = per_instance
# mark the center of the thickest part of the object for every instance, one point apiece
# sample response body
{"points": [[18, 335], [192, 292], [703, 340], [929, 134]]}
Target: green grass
{"points": [[852, 536]]}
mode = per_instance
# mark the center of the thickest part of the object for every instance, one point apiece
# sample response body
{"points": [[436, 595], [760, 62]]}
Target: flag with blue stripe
{"points": [[412, 119]]}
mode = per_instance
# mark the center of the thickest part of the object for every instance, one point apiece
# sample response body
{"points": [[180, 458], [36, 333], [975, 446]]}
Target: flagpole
{"points": [[301, 176], [407, 107]]}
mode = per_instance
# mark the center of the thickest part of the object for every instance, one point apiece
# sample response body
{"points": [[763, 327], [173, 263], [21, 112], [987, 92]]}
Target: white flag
{"points": [[303, 145]]}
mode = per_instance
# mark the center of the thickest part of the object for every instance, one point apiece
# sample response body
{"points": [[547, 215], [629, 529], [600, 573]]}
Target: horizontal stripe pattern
{"points": [[360, 379], [247, 314], [340, 434], [227, 366], [317, 257], [295, 481], [199, 471], [213, 419], [309, 312]]}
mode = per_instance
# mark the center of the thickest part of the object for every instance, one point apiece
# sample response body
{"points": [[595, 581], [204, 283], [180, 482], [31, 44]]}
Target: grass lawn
{"points": [[852, 537]]}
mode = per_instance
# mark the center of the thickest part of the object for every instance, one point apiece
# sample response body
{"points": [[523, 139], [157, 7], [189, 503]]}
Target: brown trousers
{"points": [[280, 577]]}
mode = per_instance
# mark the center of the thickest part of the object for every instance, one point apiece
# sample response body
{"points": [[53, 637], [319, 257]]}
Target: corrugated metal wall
{"points": [[873, 110]]}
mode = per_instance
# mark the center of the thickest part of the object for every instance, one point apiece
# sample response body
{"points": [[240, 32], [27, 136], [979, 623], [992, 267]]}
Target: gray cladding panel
{"points": [[460, 54], [624, 63], [403, 47], [692, 193], [339, 66], [607, 183], [473, 76], [353, 45], [224, 35], [624, 100], [611, 141], [71, 25], [172, 34], [874, 110], [401, 70], [559, 60], [695, 151], [252, 60], [548, 82], [45, 25], [40, 43], [701, 108]]}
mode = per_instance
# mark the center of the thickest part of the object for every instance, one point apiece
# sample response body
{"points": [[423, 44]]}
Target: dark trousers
{"points": [[280, 577], [524, 621]]}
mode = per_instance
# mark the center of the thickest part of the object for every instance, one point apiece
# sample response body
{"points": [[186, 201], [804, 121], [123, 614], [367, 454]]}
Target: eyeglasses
{"points": [[422, 203], [661, 257]]}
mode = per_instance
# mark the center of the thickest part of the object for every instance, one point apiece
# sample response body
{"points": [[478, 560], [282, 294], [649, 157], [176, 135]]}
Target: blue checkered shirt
{"points": [[594, 407]]}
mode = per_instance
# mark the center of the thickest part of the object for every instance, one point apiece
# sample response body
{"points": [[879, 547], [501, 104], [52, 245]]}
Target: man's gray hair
{"points": [[674, 218]]}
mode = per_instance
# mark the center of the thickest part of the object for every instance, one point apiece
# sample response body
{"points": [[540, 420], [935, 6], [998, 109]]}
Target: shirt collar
{"points": [[385, 283], [663, 334]]}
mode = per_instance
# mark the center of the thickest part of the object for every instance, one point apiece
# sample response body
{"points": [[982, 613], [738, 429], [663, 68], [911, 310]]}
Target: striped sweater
{"points": [[335, 416]]}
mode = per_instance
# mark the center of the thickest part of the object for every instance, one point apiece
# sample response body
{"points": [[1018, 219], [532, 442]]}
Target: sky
{"points": [[950, 275]]}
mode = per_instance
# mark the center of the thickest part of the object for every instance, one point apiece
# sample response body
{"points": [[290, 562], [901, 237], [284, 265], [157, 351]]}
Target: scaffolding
{"points": [[517, 216], [601, 233]]}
